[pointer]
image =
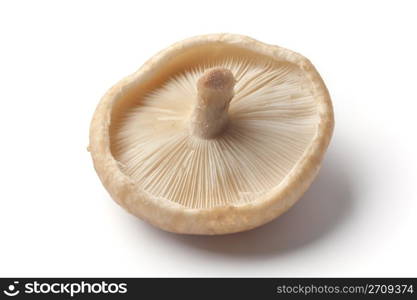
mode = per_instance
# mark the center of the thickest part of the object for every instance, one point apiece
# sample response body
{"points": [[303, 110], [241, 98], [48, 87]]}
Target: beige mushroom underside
{"points": [[168, 215]]}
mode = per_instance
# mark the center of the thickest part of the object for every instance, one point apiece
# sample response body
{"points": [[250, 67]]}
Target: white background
{"points": [[57, 58]]}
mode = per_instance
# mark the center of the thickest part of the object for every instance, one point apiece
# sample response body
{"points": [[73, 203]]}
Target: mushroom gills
{"points": [[272, 118]]}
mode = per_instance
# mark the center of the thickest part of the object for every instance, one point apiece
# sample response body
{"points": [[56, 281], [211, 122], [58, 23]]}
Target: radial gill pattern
{"points": [[273, 118]]}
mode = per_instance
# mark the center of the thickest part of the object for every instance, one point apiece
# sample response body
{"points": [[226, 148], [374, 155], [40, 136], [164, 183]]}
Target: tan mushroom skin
{"points": [[216, 134]]}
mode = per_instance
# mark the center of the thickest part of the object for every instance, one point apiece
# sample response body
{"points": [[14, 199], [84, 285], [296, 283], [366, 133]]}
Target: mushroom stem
{"points": [[215, 90]]}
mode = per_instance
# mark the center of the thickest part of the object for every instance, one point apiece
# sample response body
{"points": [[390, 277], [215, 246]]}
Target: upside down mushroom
{"points": [[216, 134]]}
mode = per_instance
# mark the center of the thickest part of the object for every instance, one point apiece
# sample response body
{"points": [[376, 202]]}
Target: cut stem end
{"points": [[210, 115]]}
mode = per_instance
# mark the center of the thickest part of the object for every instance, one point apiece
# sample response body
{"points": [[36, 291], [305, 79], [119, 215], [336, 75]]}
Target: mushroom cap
{"points": [[281, 122]]}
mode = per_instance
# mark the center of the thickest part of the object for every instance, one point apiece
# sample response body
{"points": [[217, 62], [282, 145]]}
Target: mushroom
{"points": [[216, 134]]}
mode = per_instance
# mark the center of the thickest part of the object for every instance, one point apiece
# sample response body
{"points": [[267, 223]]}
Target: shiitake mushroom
{"points": [[216, 134]]}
